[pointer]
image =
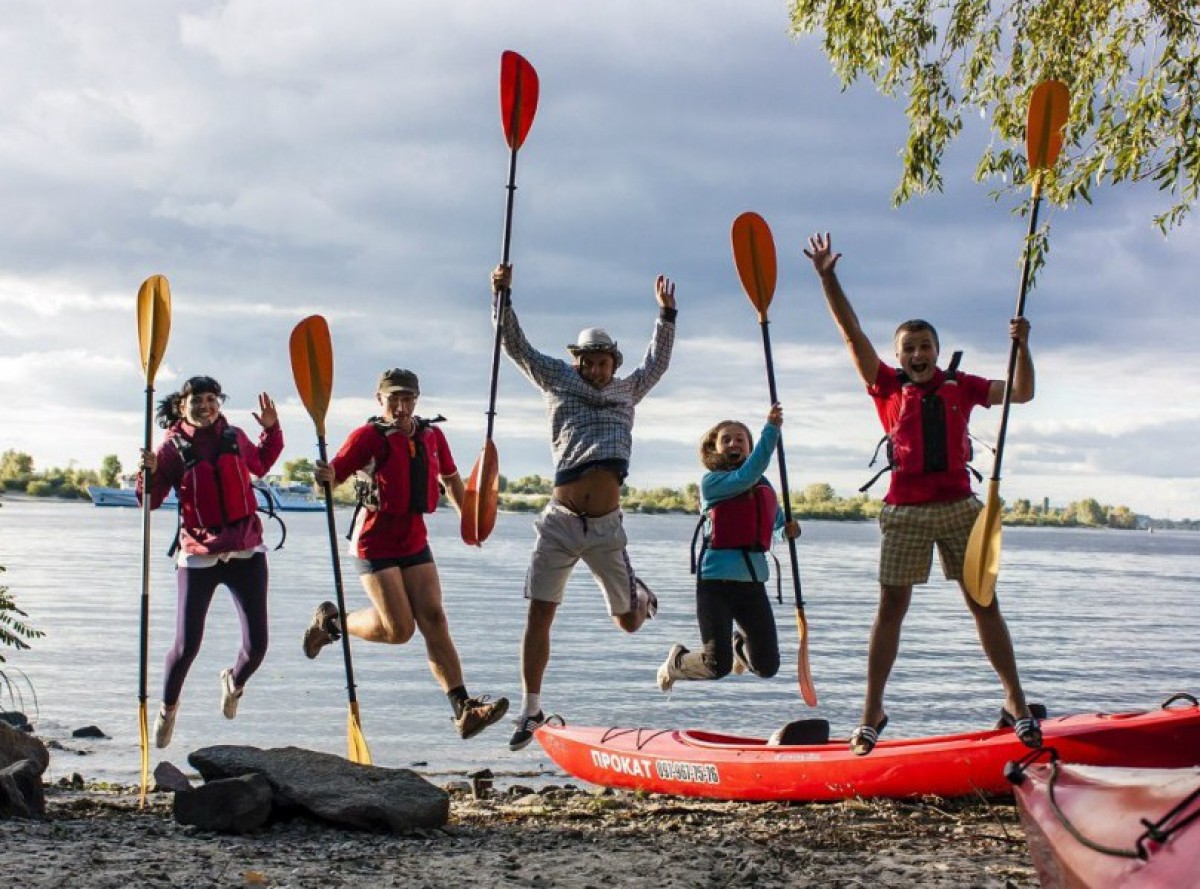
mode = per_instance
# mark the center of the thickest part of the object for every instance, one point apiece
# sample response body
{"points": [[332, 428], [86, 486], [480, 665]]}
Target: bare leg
{"points": [[997, 645], [390, 620], [425, 598], [535, 647], [885, 645]]}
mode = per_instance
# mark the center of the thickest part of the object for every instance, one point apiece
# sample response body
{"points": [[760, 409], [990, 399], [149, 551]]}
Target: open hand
{"points": [[820, 251], [267, 416], [664, 291]]}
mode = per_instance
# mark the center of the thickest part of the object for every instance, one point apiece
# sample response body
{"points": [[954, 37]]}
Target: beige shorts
{"points": [[910, 532], [563, 538]]}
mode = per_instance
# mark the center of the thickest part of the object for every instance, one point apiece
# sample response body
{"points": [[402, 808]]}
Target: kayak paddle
{"points": [[154, 326], [1048, 109], [754, 256], [518, 103], [312, 367]]}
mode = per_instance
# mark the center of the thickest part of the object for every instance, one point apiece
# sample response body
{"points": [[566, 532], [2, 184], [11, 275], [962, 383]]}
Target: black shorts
{"points": [[374, 566]]}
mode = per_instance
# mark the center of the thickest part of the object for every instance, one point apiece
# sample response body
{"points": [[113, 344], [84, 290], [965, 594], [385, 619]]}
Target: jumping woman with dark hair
{"points": [[210, 464]]}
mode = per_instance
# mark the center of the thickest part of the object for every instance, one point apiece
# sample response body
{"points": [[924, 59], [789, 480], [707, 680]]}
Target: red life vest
{"points": [[405, 474], [931, 432], [745, 521], [218, 492]]}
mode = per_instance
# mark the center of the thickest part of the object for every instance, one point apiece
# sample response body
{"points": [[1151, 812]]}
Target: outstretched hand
{"points": [[267, 416], [820, 251], [664, 291]]}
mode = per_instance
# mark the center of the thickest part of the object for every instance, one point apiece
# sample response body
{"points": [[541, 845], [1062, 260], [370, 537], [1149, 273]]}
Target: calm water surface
{"points": [[1101, 620]]}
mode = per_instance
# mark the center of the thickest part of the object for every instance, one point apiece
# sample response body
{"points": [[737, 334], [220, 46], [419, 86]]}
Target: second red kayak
{"points": [[707, 764]]}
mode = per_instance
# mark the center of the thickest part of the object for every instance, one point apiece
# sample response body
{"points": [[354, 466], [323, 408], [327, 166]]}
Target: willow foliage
{"points": [[1131, 66]]}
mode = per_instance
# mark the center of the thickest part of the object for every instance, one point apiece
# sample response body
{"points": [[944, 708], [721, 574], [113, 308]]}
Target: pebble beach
{"points": [[556, 836]]}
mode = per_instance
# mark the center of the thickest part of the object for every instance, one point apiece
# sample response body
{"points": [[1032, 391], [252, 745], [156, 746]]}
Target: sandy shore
{"points": [[556, 837]]}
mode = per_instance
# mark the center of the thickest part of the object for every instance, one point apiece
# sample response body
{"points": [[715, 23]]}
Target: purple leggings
{"points": [[247, 581]]}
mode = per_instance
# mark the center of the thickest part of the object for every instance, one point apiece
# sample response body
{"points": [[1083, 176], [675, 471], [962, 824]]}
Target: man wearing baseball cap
{"points": [[404, 462], [591, 412]]}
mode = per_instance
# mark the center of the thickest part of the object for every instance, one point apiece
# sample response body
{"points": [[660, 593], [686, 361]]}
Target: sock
{"points": [[531, 704], [458, 697]]}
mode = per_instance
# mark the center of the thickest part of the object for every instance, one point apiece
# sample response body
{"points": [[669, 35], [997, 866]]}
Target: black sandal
{"points": [[1027, 729], [864, 738]]}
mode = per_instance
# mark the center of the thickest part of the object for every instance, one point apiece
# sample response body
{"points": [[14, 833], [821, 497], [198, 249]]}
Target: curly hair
{"points": [[170, 409], [708, 447]]}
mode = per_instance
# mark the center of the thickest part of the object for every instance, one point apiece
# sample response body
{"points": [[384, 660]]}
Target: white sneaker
{"points": [[668, 672], [229, 694], [164, 725]]}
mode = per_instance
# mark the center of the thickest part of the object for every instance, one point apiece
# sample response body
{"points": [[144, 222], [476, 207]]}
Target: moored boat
{"points": [[123, 496], [293, 497], [708, 764], [1104, 826]]}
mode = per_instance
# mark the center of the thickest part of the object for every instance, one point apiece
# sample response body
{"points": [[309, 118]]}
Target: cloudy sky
{"points": [[278, 158]]}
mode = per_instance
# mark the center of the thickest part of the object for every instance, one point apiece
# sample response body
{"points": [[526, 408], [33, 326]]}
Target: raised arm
{"points": [[862, 352], [1023, 379], [542, 370]]}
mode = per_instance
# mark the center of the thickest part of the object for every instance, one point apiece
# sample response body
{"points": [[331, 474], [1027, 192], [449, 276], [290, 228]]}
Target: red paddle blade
{"points": [[518, 97], [482, 497], [311, 352], [754, 256]]}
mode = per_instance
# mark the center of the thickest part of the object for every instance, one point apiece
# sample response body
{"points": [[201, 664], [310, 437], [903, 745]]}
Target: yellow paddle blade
{"points": [[1048, 109], [482, 497], [354, 735], [754, 256], [312, 367], [803, 671], [154, 323], [145, 736], [981, 564]]}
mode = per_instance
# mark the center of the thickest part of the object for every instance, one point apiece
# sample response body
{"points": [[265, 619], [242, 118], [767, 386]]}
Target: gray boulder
{"points": [[331, 788], [168, 777], [227, 805], [16, 745], [21, 793]]}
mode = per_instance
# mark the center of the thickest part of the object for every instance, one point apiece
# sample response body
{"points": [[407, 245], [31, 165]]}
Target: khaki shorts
{"points": [[910, 532], [565, 537]]}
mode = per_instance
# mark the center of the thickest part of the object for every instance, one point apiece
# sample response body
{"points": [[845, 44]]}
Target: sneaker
{"points": [[323, 629], [526, 726], [230, 694], [667, 673], [164, 726], [740, 664], [478, 713]]}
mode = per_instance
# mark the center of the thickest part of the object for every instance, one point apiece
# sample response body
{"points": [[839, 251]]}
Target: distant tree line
{"points": [[530, 493]]}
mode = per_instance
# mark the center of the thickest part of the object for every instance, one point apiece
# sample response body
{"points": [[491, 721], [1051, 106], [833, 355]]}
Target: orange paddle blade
{"points": [[1048, 109], [154, 322], [312, 367], [482, 497], [518, 97], [981, 563], [803, 671], [754, 256]]}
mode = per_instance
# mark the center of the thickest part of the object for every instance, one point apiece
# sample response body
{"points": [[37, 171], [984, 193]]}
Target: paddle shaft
{"points": [[337, 576], [783, 476], [144, 653], [1014, 352]]}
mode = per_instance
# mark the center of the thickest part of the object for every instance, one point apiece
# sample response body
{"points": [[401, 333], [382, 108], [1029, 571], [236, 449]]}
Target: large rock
{"points": [[16, 745], [331, 788], [227, 805], [21, 792]]}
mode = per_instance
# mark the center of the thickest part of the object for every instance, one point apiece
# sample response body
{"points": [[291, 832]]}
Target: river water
{"points": [[1101, 620]]}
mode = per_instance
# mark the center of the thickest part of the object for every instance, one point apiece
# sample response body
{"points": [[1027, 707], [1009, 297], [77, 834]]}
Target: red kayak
{"points": [[1100, 826], [706, 764]]}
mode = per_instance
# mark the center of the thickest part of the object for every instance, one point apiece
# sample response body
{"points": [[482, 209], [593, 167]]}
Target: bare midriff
{"points": [[596, 494]]}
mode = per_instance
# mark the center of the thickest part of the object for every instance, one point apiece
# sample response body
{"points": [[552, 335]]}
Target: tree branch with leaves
{"points": [[1132, 66]]}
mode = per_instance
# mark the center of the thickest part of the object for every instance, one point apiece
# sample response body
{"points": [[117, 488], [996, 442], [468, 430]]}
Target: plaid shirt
{"points": [[587, 423]]}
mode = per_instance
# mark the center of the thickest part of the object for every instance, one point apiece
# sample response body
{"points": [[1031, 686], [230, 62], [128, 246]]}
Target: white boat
{"points": [[122, 496], [293, 497]]}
